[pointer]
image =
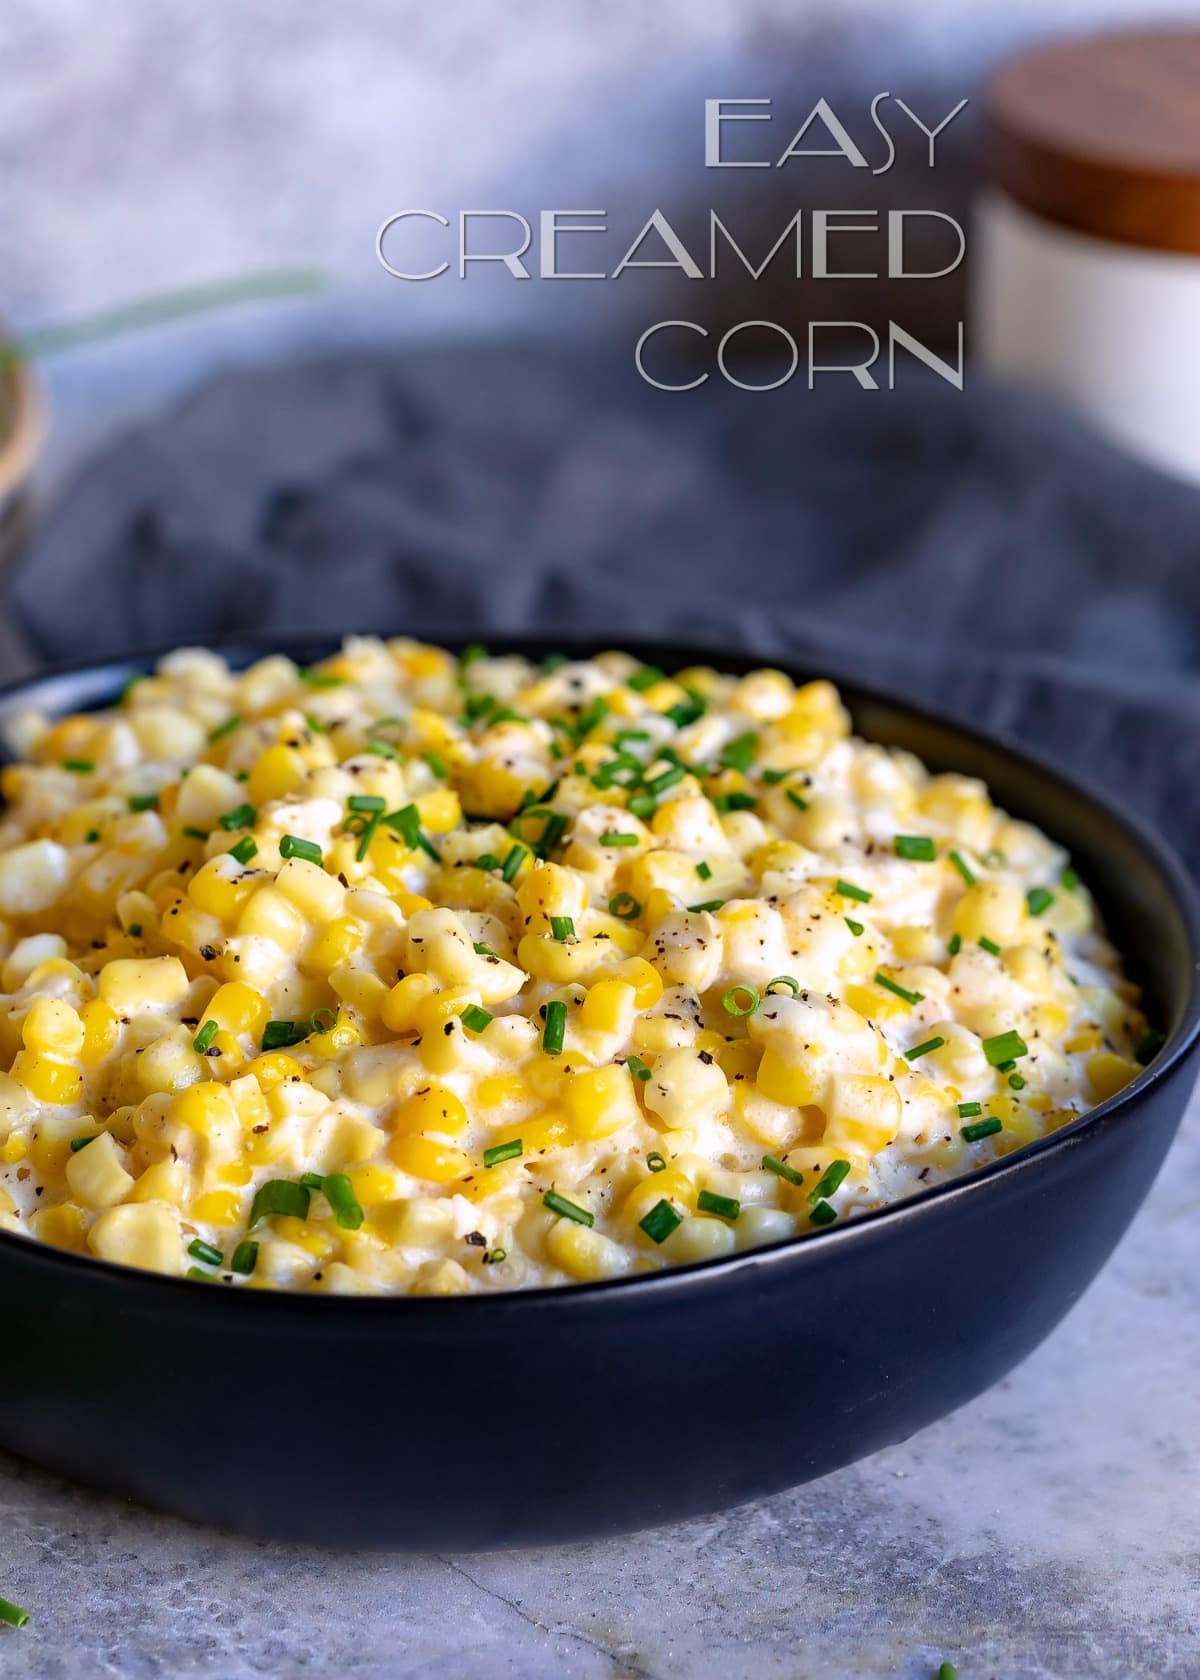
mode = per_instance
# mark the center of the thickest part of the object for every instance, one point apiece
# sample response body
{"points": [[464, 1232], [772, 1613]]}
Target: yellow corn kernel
{"points": [[548, 1131], [600, 1101], [235, 1173], [217, 1207], [101, 1030], [561, 961], [131, 984], [916, 944], [877, 1003], [400, 1007], [432, 1108], [170, 1063], [163, 1181], [584, 1253], [278, 772], [1050, 1020], [206, 1109], [273, 1068], [312, 1238], [61, 1227], [96, 1175], [53, 1028], [786, 1081], [498, 1091], [991, 910], [439, 811], [360, 990], [237, 1009], [271, 916], [863, 1114], [221, 886], [425, 1158], [1085, 1038], [311, 889], [608, 1006], [334, 945], [48, 1080], [14, 1149], [373, 1185], [671, 1185], [1107, 1074], [144, 1234]]}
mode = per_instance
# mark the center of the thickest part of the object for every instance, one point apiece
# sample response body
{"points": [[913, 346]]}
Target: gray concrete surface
{"points": [[1049, 1530]]}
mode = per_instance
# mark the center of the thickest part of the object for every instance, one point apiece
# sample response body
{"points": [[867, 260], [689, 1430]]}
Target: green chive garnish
{"points": [[503, 1152], [704, 872], [562, 927], [642, 806], [143, 802], [318, 679], [200, 1274], [665, 779], [856, 928], [917, 848], [513, 862], [848, 890], [772, 1163], [1039, 900], [967, 1109], [204, 1037], [741, 1000], [712, 905], [625, 907], [822, 1214], [947, 1671], [724, 802], [245, 849], [134, 930], [280, 1035], [979, 1129], [279, 1195], [242, 816], [618, 839], [660, 1222], [954, 944], [828, 1182], [193, 833], [367, 802], [556, 1028], [1016, 1081], [80, 766], [339, 1193], [1069, 879], [487, 860], [13, 1614], [567, 1210], [1004, 1047], [725, 1207], [93, 835], [919, 1050], [964, 869], [783, 983], [407, 823], [796, 799], [200, 1250], [437, 764], [1148, 1046], [656, 1161], [82, 1142], [889, 985], [475, 1020], [245, 1258], [222, 729], [312, 1180], [740, 753], [685, 711], [368, 834], [382, 749], [990, 946], [637, 1068], [644, 678], [292, 846]]}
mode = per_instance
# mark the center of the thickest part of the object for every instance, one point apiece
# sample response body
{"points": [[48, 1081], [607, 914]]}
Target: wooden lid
{"points": [[1102, 134]]}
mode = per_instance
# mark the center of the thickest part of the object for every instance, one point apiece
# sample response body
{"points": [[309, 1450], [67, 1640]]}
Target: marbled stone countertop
{"points": [[1052, 1528]]}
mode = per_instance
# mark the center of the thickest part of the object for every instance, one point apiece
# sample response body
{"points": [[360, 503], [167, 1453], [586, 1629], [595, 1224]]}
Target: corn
{"points": [[333, 945], [400, 1008], [163, 1181], [586, 1254], [96, 1174], [53, 1028], [101, 1030], [32, 876], [237, 1009], [46, 1078], [787, 1082], [432, 1108], [274, 1068], [278, 772], [61, 1227], [130, 985], [425, 1158], [170, 1063], [863, 1114], [1107, 1074], [645, 979], [144, 1234], [317, 895], [361, 990], [600, 1101], [217, 1207], [992, 910]]}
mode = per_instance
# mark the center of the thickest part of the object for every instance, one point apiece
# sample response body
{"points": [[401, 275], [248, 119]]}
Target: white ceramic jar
{"points": [[1086, 259]]}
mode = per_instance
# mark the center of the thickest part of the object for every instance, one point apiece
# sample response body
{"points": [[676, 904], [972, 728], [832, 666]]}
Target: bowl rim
{"points": [[112, 673], [20, 444]]}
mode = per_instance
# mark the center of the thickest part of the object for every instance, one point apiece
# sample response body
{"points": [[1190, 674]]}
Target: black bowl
{"points": [[555, 1414]]}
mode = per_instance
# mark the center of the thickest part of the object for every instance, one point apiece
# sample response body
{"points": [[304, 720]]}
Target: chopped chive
{"points": [[503, 1152], [643, 806], [686, 711], [1005, 1067], [312, 1180], [782, 982], [513, 862], [93, 834], [481, 950], [384, 749], [200, 1250], [143, 802], [315, 724], [954, 944], [822, 1214], [319, 679], [665, 779], [1039, 900], [772, 1163], [562, 927], [774, 777], [280, 1035], [847, 889], [856, 928], [704, 872], [368, 834], [990, 946], [82, 1142], [245, 1258], [967, 1109], [618, 839], [660, 1221], [637, 1068], [796, 799], [471, 654], [725, 1207], [204, 1037], [407, 823], [1016, 1081], [740, 753], [741, 1000], [222, 729], [487, 860], [134, 930], [567, 1210], [339, 1192], [80, 766], [1148, 1045], [919, 1050], [829, 1181], [191, 832], [656, 1161], [964, 868], [475, 1020], [366, 802], [245, 849], [200, 1275], [624, 906], [644, 678], [1004, 1047], [917, 848], [279, 1195], [979, 1129], [292, 846], [556, 1027], [711, 905], [890, 985], [1069, 879], [13, 1614], [437, 764], [947, 1671], [724, 802]]}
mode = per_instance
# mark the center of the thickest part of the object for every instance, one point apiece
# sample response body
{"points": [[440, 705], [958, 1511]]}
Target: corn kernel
{"points": [[144, 1234], [425, 1158]]}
